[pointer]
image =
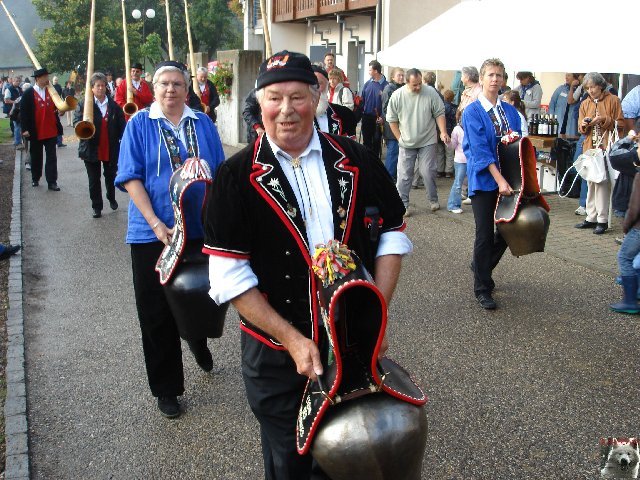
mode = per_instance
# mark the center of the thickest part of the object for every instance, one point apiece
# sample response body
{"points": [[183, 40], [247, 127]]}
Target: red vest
{"points": [[205, 94], [103, 145], [45, 113]]}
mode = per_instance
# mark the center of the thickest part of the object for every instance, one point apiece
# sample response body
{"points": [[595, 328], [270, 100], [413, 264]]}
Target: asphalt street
{"points": [[521, 392]]}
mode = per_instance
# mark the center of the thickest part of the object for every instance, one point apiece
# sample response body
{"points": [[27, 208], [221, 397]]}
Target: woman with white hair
{"points": [[600, 113], [156, 142]]}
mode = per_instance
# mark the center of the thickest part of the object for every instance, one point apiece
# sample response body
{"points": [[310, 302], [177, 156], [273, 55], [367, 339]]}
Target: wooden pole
{"points": [[265, 29]]}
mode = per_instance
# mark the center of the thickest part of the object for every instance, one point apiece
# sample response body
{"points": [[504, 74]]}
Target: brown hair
{"points": [[337, 73], [513, 97], [491, 62], [448, 95]]}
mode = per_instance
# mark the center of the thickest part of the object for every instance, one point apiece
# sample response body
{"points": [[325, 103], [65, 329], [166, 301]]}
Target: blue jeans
{"points": [[455, 198], [583, 185], [17, 134], [391, 162], [628, 250]]}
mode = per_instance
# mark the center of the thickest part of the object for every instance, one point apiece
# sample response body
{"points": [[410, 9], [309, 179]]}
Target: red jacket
{"points": [[143, 98]]}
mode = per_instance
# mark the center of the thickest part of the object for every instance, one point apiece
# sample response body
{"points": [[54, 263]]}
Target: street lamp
{"points": [[137, 14]]}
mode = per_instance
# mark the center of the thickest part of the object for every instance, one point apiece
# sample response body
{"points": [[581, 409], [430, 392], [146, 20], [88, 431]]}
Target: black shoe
{"points": [[486, 301], [202, 354], [113, 204], [587, 224], [62, 145], [34, 183], [54, 187], [169, 406], [8, 251], [97, 213], [600, 228]]}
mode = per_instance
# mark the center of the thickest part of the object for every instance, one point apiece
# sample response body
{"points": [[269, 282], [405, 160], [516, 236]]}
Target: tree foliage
{"points": [[63, 46]]}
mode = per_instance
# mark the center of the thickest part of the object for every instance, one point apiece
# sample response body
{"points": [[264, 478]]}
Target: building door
{"points": [[355, 65]]}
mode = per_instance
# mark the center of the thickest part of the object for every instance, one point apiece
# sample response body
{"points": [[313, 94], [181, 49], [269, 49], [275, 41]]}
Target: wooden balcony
{"points": [[297, 10]]}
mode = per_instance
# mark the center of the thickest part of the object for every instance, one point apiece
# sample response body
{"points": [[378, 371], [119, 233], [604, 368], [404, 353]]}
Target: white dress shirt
{"points": [[40, 91], [230, 277], [102, 105]]}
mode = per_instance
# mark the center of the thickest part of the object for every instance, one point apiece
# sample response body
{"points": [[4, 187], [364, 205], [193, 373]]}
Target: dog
{"points": [[623, 458]]}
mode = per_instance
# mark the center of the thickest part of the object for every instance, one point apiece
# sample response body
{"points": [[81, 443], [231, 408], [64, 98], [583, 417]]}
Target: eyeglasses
{"points": [[166, 85]]}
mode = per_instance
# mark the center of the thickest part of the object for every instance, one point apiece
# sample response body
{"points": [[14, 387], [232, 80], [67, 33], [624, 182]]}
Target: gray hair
{"points": [[314, 89], [97, 77], [202, 70], [472, 73], [161, 70], [595, 78]]}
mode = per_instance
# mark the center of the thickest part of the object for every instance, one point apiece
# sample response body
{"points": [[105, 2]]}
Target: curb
{"points": [[15, 407]]}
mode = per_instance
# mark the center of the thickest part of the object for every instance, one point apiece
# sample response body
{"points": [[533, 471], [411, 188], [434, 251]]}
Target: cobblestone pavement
{"points": [[521, 392]]}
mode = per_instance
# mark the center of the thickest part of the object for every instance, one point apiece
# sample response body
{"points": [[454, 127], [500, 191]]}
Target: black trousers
{"points": [[371, 134], [95, 191], [51, 166], [274, 391], [160, 339], [489, 244]]}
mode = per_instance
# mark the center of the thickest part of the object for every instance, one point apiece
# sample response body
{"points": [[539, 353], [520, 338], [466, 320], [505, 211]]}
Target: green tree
{"points": [[63, 46]]}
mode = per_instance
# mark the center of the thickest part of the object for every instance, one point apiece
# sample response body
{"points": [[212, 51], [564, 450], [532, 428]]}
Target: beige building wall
{"points": [[402, 17]]}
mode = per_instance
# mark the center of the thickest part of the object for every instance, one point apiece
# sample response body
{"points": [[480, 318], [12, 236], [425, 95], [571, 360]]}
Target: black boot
{"points": [[629, 303], [201, 353]]}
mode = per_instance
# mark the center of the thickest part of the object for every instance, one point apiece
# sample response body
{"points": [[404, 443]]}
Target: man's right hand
{"points": [[305, 353], [25, 134]]}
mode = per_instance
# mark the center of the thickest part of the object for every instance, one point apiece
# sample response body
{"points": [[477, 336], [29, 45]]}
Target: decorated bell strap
{"points": [[191, 171], [354, 317], [518, 166]]}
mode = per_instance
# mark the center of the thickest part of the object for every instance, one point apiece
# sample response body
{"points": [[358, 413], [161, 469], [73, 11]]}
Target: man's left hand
{"points": [[444, 136]]}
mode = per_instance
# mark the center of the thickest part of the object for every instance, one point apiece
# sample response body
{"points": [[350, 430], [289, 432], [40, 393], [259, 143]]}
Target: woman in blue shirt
{"points": [[484, 122], [156, 141]]}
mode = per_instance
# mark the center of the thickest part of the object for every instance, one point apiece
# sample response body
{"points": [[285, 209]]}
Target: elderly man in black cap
{"points": [[142, 95], [269, 207], [40, 123]]}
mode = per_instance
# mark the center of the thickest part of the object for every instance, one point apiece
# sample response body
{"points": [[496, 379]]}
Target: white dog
{"points": [[623, 460]]}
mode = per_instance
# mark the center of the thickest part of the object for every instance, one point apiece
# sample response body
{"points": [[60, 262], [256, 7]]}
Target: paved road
{"points": [[522, 392]]}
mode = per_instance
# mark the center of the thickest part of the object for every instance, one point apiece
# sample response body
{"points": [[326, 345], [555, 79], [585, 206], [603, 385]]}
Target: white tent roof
{"points": [[549, 36]]}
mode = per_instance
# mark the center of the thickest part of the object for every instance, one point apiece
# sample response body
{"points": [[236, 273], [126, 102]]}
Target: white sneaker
{"points": [[456, 210], [408, 211], [435, 206], [466, 201], [581, 211]]}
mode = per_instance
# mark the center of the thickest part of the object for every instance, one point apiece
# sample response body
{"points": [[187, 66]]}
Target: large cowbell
{"points": [[364, 418], [184, 269], [521, 218]]}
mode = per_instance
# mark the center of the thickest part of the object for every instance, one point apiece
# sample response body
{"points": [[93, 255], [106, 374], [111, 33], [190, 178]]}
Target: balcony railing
{"points": [[290, 10]]}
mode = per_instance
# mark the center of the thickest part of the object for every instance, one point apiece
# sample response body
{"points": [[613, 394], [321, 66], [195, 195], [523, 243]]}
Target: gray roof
{"points": [[12, 52]]}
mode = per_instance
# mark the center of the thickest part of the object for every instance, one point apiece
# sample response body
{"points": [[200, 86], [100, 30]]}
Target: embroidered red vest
{"points": [[103, 145], [45, 113]]}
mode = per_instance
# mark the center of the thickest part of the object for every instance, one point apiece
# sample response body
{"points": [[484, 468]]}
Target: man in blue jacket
{"points": [[372, 119]]}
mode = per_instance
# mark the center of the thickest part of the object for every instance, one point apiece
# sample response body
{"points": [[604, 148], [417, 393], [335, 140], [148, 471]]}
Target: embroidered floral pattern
{"points": [[274, 183]]}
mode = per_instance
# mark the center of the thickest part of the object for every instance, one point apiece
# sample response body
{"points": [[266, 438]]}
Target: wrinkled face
{"points": [[99, 89], [170, 91], [414, 83], [492, 80], [135, 74], [329, 62], [595, 91], [202, 77], [288, 109], [398, 77]]}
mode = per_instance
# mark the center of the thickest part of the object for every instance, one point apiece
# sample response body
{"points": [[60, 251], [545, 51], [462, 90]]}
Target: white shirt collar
{"points": [[40, 91], [486, 104], [156, 112], [314, 145], [103, 103]]}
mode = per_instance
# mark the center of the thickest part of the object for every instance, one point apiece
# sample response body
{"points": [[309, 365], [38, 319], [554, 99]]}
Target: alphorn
{"points": [[130, 107], [70, 103], [85, 129], [192, 59], [169, 36]]}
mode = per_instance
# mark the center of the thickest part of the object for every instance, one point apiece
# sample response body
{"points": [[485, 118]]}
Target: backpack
{"points": [[14, 113]]}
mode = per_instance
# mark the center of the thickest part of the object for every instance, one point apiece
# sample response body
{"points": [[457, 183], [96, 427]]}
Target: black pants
{"points": [[160, 339], [51, 166], [274, 391], [489, 244], [95, 191], [371, 134]]}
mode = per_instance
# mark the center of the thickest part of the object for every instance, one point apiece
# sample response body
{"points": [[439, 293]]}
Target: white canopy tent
{"points": [[550, 36]]}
